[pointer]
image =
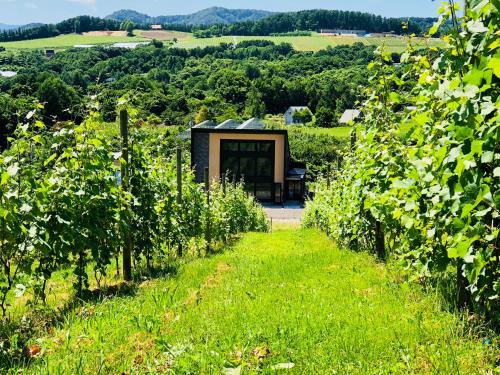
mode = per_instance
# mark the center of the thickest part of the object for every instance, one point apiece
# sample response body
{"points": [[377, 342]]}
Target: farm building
{"points": [[289, 119], [156, 27], [7, 73], [392, 34], [248, 152], [342, 32], [350, 116]]}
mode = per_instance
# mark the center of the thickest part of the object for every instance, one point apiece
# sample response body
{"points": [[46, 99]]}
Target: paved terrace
{"points": [[291, 213]]}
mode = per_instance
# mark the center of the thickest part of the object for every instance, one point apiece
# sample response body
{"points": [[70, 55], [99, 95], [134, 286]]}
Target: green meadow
{"points": [[68, 41], [285, 302], [313, 43]]}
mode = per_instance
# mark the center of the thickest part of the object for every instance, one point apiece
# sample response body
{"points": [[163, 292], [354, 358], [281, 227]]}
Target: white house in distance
{"points": [[350, 116], [289, 114], [156, 27]]}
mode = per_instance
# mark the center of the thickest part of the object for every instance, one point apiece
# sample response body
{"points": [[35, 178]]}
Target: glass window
{"points": [[230, 146], [230, 165], [264, 167], [265, 146], [247, 167], [263, 191], [248, 147]]}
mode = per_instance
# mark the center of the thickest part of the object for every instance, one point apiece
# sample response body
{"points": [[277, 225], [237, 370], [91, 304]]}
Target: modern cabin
{"points": [[350, 116], [289, 119], [250, 153]]}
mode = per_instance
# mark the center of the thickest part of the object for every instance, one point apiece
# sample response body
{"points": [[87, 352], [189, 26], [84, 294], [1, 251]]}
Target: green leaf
{"points": [[494, 64], [463, 133], [487, 157], [12, 170]]}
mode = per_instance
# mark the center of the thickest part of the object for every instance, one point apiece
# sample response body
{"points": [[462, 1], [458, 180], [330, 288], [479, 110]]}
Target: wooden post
{"points": [[224, 183], [353, 140], [179, 189], [328, 174], [379, 240], [208, 229], [127, 245], [463, 296]]}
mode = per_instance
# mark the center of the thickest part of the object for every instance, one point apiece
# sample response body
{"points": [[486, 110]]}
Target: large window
{"points": [[252, 161]]}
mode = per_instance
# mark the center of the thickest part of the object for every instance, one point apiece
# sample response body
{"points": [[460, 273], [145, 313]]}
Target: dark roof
{"points": [[296, 173], [228, 124]]}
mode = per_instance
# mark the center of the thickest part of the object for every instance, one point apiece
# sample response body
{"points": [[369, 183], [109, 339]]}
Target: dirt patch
{"points": [[162, 35], [106, 33], [211, 281]]}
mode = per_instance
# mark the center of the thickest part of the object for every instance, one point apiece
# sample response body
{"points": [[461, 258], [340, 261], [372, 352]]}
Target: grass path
{"points": [[272, 302]]}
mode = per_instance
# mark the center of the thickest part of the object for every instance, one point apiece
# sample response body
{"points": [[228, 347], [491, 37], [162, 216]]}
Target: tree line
{"points": [[171, 85], [76, 25], [281, 23], [314, 20]]}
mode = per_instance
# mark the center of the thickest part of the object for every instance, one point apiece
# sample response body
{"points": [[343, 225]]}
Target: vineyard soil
{"points": [[289, 300]]}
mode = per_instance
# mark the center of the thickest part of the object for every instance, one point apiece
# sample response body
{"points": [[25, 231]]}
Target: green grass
{"points": [[315, 42], [287, 297], [338, 132], [68, 41]]}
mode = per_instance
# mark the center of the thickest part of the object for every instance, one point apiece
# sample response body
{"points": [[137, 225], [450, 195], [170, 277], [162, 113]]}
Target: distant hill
{"points": [[209, 16], [4, 26]]}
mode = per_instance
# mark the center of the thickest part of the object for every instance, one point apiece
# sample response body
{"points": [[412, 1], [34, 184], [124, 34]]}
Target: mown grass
{"points": [[68, 41], [315, 42], [338, 132], [281, 300]]}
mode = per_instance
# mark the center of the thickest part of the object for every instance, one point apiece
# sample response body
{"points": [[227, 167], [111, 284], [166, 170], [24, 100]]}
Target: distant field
{"points": [[164, 35], [68, 41], [314, 43], [339, 132]]}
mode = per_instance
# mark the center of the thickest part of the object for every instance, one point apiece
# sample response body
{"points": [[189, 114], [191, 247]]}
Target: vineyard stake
{"points": [[328, 173], [208, 229], [353, 140], [379, 240], [179, 188], [127, 245]]}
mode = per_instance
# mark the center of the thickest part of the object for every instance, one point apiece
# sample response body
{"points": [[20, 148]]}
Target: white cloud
{"points": [[91, 3]]}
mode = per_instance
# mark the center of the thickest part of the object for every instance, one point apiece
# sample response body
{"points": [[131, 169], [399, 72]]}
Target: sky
{"points": [[50, 11]]}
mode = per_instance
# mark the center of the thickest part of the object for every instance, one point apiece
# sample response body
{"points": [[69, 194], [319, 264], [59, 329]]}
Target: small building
{"points": [[249, 152], [391, 34], [50, 52], [289, 120], [345, 32], [7, 73], [350, 116], [156, 27]]}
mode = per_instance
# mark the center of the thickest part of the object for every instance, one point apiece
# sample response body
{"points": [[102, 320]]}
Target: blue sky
{"points": [[24, 11]]}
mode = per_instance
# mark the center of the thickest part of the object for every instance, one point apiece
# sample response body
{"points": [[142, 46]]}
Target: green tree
{"points": [[128, 26], [202, 115], [61, 101], [255, 106], [325, 118], [302, 117]]}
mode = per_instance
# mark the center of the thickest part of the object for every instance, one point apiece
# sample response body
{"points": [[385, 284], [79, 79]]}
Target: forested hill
{"points": [[209, 16], [73, 25], [4, 26], [317, 19]]}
